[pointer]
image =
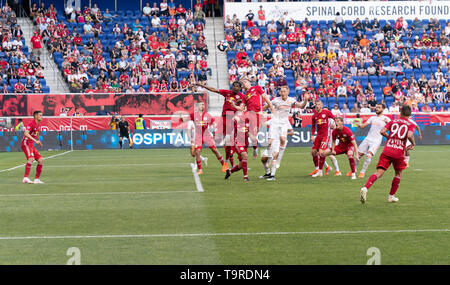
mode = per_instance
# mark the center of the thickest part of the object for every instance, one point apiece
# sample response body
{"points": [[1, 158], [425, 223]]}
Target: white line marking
{"points": [[115, 165], [93, 193], [52, 156], [198, 183], [224, 234]]}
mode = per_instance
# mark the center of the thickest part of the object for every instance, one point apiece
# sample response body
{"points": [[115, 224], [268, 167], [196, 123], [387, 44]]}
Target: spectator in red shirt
{"points": [[36, 43]]}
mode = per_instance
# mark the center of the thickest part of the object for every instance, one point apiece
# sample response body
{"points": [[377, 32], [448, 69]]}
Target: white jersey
{"points": [[282, 108], [377, 124]]}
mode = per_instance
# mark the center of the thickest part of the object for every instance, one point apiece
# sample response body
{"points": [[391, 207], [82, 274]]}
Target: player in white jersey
{"points": [[191, 135], [372, 142], [408, 143], [280, 125]]}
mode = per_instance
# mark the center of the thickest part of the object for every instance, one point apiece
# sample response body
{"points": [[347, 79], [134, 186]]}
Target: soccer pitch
{"points": [[143, 207]]}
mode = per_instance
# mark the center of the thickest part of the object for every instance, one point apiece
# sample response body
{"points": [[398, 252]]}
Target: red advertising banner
{"points": [[90, 103]]}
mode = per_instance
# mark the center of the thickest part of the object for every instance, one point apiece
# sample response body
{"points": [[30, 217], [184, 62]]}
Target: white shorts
{"points": [[279, 130], [369, 146]]}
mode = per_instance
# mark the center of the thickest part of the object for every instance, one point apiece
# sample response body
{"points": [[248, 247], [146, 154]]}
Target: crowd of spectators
{"points": [[21, 71], [362, 62], [161, 48]]}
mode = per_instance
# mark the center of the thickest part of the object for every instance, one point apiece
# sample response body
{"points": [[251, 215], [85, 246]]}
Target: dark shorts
{"points": [[126, 135]]}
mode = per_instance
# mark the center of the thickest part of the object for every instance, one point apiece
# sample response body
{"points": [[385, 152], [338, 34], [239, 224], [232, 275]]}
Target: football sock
{"points": [[321, 162], [244, 167], [395, 184], [221, 160], [325, 164], [232, 161], [266, 167], [199, 164], [235, 168], [366, 164], [202, 158], [335, 162], [274, 168], [120, 142], [38, 171], [352, 163], [27, 169], [316, 161], [371, 180], [280, 154]]}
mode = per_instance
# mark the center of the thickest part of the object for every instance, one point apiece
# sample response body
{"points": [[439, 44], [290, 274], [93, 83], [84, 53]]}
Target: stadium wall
{"points": [[177, 138], [325, 11]]}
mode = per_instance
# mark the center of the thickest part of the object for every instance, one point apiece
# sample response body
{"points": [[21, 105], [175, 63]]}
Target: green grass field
{"points": [[142, 207]]}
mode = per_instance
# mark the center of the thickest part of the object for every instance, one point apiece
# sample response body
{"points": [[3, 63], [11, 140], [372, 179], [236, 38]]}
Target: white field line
{"points": [[198, 183], [22, 165], [115, 165], [222, 234], [95, 193]]}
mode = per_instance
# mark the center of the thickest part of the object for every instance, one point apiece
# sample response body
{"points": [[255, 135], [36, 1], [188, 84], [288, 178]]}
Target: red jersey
{"points": [[345, 136], [254, 99], [230, 96], [36, 41], [398, 135], [32, 128], [201, 123], [322, 121]]}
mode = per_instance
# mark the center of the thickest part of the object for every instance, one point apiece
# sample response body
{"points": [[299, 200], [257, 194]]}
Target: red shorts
{"points": [[321, 142], [342, 148], [254, 122], [239, 150], [385, 161], [208, 141], [31, 152], [227, 126]]}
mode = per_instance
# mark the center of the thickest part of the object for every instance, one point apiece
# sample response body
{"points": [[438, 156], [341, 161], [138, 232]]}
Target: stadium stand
{"points": [[21, 69], [362, 61], [106, 51]]}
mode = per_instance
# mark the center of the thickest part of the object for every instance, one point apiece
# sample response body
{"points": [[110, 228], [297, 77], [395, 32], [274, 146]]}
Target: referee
{"points": [[124, 132]]}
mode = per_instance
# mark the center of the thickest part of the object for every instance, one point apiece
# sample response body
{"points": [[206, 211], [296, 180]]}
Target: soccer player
{"points": [[280, 125], [332, 126], [372, 142], [347, 144], [416, 127], [202, 121], [321, 138], [400, 130], [240, 145], [254, 96], [31, 136], [233, 98], [191, 136], [124, 132]]}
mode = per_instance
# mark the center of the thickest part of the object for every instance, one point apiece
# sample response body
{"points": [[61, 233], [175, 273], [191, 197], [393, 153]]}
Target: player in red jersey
{"points": [[202, 121], [254, 97], [400, 131], [234, 101], [240, 145], [321, 138], [31, 136], [347, 144]]}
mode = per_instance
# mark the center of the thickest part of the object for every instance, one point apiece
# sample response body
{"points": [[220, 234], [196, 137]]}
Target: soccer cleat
{"points": [[246, 179], [318, 174], [349, 173], [338, 173], [224, 167], [271, 178], [37, 181], [363, 195], [328, 170], [353, 176], [314, 172], [255, 153], [392, 199], [228, 173], [27, 180], [361, 175], [199, 172], [264, 176]]}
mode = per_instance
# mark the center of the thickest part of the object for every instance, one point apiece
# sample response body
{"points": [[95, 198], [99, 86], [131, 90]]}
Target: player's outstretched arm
{"points": [[411, 140], [209, 88], [266, 98], [363, 125], [302, 105]]}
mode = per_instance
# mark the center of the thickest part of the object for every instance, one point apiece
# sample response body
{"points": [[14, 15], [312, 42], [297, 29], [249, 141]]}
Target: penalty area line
{"points": [[22, 165], [198, 183], [221, 234]]}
